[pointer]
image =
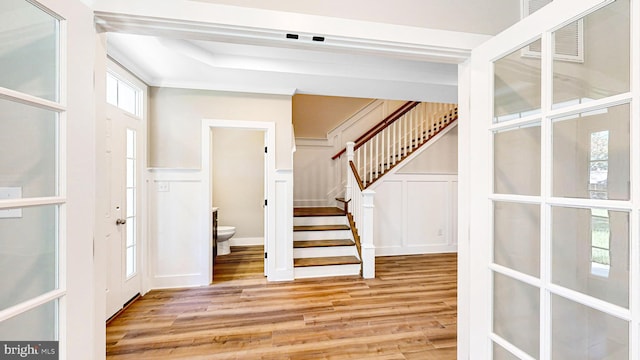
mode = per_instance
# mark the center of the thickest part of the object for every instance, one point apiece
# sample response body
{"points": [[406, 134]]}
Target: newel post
{"points": [[366, 239], [348, 192]]}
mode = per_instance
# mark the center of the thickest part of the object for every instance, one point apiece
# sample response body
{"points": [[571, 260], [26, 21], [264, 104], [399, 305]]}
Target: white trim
{"points": [[415, 250], [589, 301], [634, 217], [525, 278], [261, 27], [313, 142], [510, 348], [281, 261], [172, 281], [31, 100], [589, 106], [246, 241], [464, 183], [32, 303], [29, 202], [526, 199]]}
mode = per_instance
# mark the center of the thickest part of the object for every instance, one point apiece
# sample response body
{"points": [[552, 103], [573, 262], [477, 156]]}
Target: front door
{"points": [[553, 180], [123, 140]]}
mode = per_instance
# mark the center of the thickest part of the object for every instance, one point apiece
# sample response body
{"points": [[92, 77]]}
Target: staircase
{"points": [[326, 240], [324, 244], [395, 139]]}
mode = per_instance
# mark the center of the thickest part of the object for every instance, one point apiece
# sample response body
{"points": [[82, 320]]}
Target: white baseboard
{"points": [[415, 250], [247, 241], [179, 281]]}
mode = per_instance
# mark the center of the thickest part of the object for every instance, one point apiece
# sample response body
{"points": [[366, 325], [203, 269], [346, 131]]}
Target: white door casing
{"points": [[124, 154], [477, 266], [269, 187]]}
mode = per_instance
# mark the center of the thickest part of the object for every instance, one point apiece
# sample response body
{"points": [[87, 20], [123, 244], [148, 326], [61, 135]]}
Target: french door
{"points": [[554, 196]]}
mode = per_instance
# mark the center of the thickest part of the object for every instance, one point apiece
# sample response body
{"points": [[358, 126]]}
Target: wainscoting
{"points": [[180, 244], [415, 214], [176, 221]]}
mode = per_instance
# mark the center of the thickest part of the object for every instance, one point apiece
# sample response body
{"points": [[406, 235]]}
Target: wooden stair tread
{"points": [[320, 227], [325, 261], [317, 211], [322, 243]]}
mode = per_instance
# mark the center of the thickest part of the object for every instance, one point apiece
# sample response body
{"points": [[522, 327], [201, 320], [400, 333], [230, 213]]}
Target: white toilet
{"points": [[224, 234]]}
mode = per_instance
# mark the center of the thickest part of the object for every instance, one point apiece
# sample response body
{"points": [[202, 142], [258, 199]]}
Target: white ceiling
{"points": [[255, 63], [473, 16]]}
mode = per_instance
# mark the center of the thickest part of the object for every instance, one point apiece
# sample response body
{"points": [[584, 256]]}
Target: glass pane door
{"points": [[561, 194], [553, 177], [32, 189]]}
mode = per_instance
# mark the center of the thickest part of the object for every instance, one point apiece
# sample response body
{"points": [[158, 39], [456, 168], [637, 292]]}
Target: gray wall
{"points": [[176, 115], [237, 173]]}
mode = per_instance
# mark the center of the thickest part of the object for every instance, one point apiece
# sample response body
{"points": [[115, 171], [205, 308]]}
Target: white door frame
{"points": [[475, 175], [270, 171]]}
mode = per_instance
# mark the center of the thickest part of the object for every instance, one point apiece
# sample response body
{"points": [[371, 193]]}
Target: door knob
{"points": [[121, 221]]}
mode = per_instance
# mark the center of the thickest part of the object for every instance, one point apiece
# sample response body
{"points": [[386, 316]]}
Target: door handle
{"points": [[121, 221]]}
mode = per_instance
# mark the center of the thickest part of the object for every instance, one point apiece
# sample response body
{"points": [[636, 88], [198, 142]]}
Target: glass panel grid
{"points": [[123, 95], [517, 237], [591, 154], [605, 175], [29, 52], [516, 85], [575, 236], [28, 255], [581, 332], [516, 160], [30, 164], [131, 201], [516, 313], [37, 324], [603, 70], [30, 235]]}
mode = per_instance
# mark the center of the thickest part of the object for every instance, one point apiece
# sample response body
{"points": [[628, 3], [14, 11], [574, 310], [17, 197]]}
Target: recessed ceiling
{"points": [[230, 57]]}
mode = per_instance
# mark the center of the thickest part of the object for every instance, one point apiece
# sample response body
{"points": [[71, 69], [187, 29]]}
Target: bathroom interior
{"points": [[237, 181]]}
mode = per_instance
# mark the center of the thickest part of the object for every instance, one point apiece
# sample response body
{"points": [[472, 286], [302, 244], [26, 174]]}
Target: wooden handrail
{"points": [[453, 117], [357, 176], [393, 117]]}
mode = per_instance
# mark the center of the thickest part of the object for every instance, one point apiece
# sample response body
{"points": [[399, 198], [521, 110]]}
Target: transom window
{"points": [[123, 94]]}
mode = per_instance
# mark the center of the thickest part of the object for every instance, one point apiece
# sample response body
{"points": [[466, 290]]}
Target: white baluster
{"points": [[377, 157]]}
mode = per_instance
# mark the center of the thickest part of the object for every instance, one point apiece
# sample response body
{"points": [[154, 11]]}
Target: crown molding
{"points": [[194, 30]]}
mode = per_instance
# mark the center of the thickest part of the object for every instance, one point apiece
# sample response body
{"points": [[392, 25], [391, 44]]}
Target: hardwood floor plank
{"points": [[407, 312]]}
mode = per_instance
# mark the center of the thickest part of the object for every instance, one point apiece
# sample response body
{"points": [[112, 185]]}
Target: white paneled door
{"points": [[554, 173], [124, 147]]}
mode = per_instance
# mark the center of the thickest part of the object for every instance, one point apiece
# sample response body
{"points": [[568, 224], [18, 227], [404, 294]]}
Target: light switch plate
{"points": [[10, 193]]}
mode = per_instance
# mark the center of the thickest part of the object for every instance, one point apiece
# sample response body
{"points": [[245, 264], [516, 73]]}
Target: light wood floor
{"points": [[407, 312]]}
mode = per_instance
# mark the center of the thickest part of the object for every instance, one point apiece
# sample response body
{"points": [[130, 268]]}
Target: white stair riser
{"points": [[320, 220], [322, 235], [325, 252], [326, 271]]}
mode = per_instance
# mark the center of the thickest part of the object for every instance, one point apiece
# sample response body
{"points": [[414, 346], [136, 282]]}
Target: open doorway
{"points": [[239, 170], [238, 199]]}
